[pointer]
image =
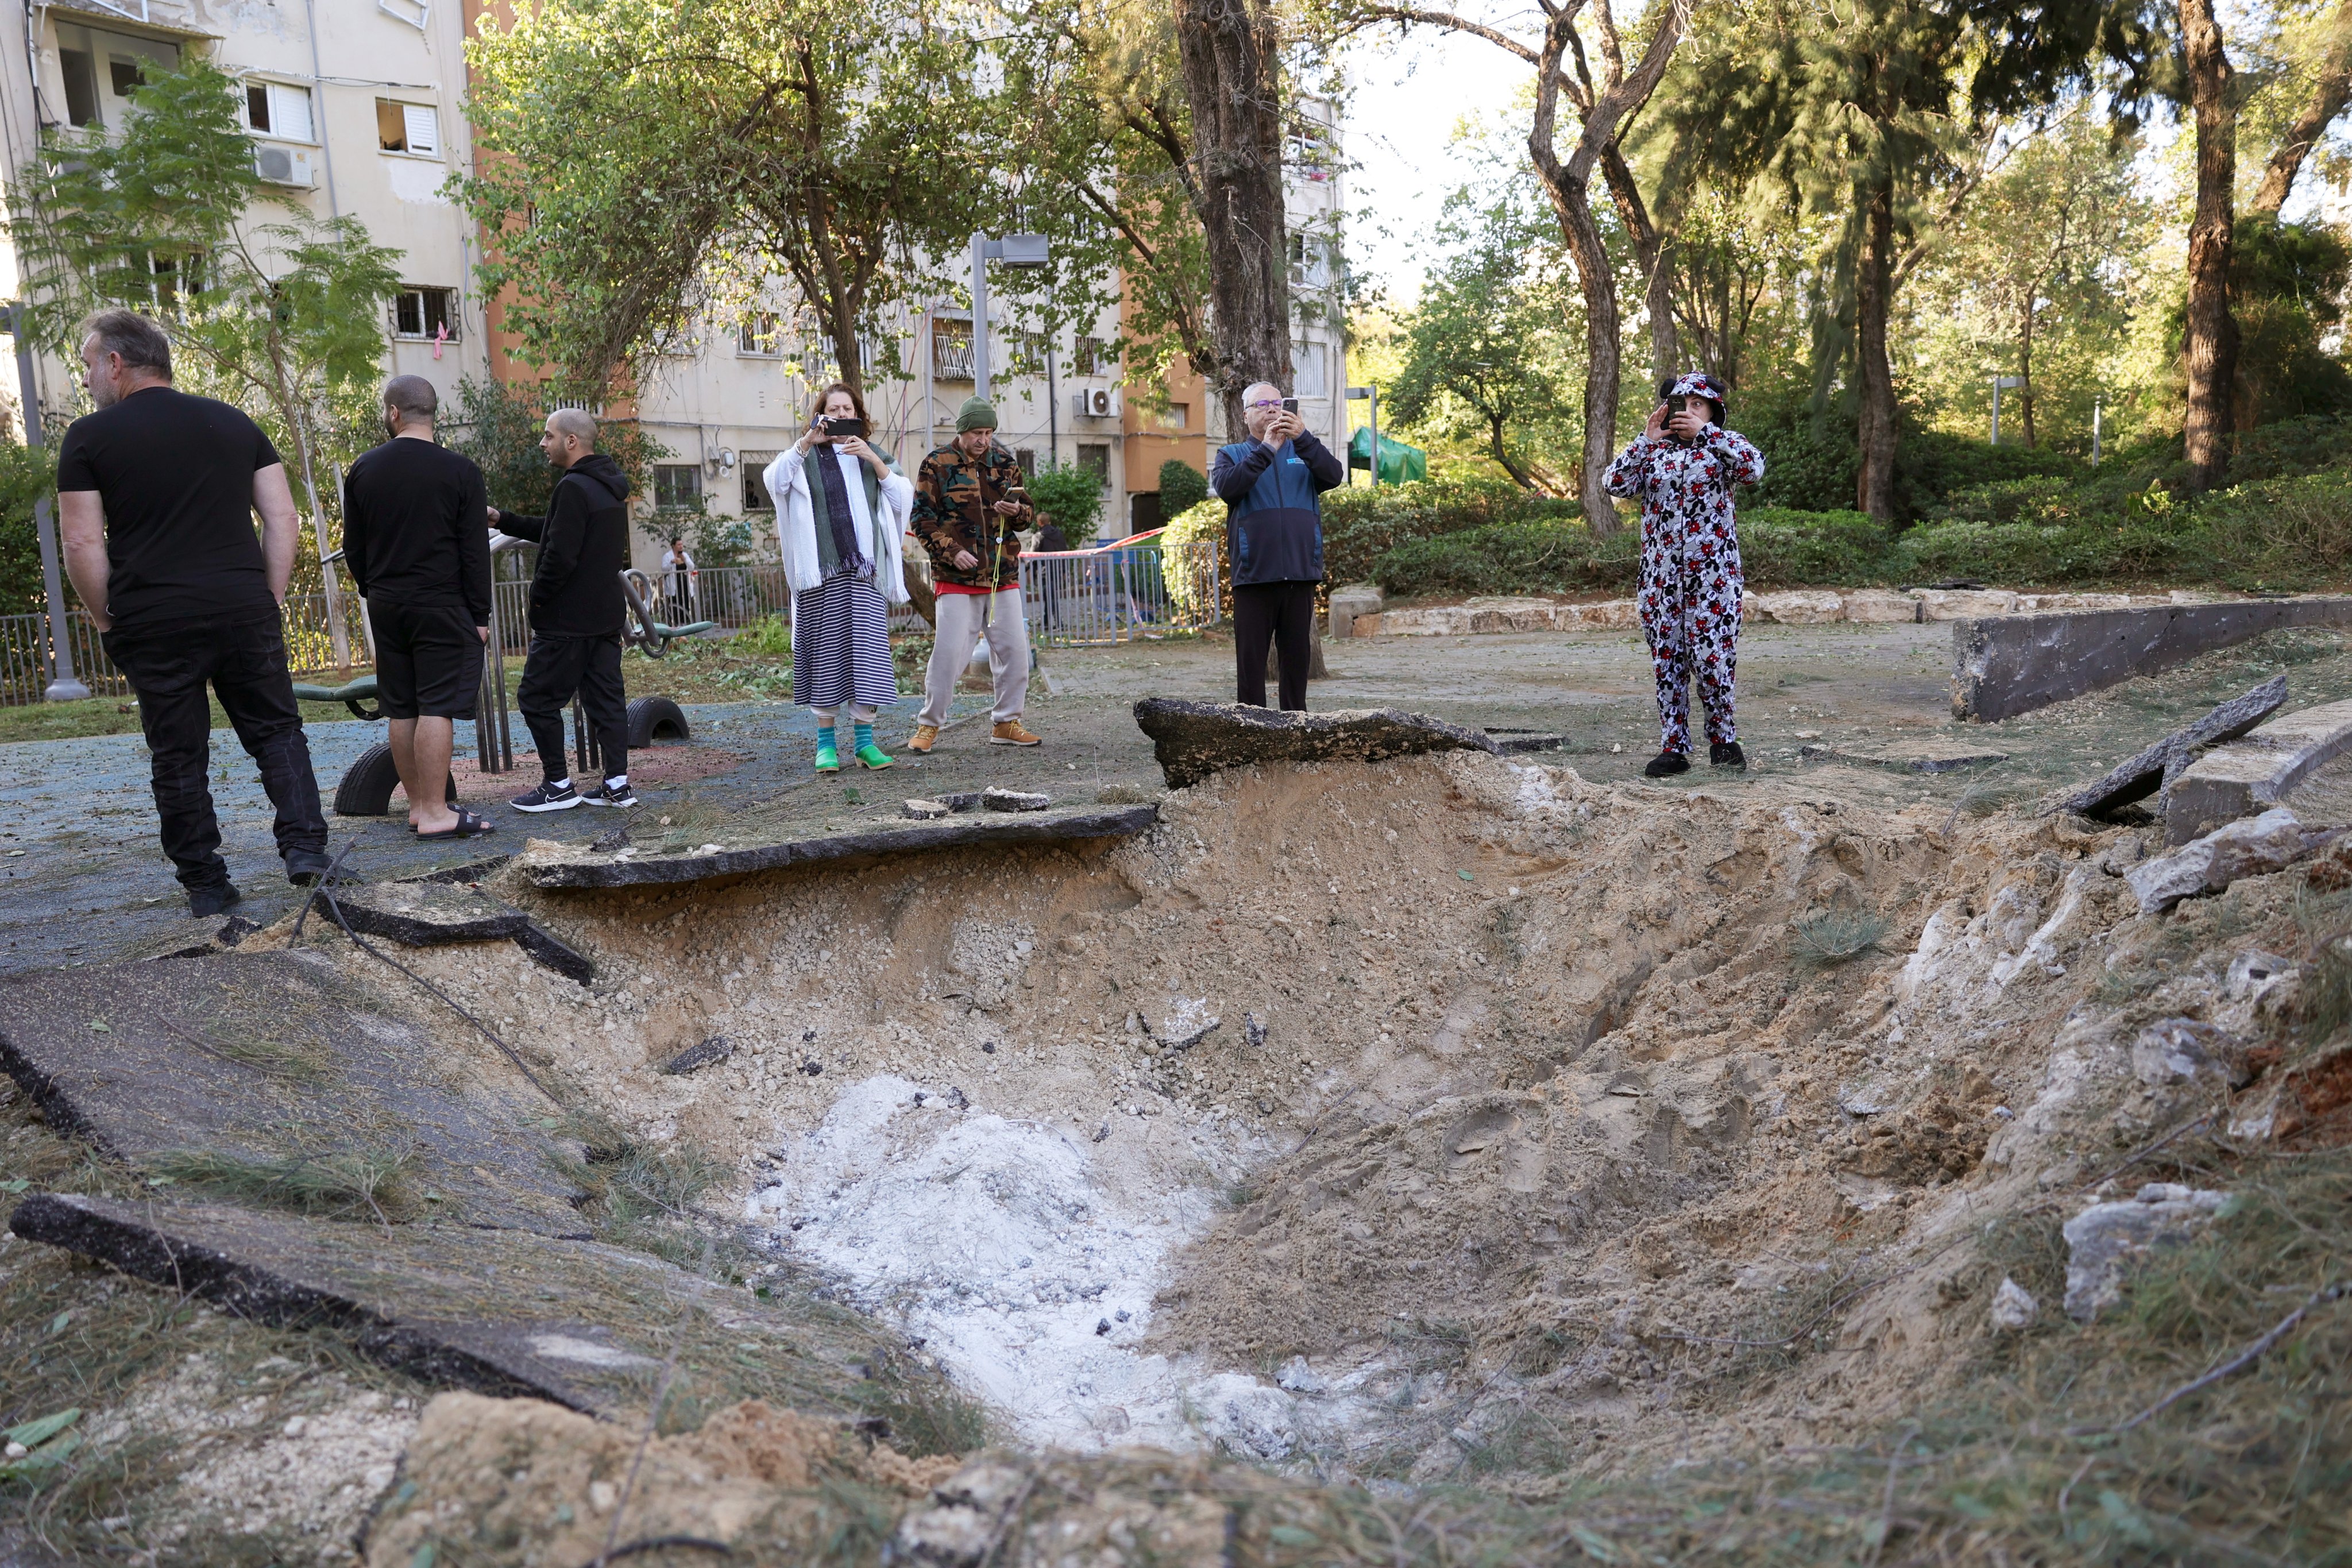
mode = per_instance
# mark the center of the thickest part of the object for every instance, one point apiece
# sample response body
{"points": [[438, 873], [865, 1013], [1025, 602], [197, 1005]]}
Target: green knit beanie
{"points": [[977, 413]]}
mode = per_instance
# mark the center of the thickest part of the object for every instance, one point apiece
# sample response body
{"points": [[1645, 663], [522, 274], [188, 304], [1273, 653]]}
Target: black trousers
{"points": [[1284, 614], [557, 670], [244, 661]]}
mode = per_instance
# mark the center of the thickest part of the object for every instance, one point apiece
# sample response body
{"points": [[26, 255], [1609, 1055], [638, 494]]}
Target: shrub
{"points": [[1072, 496], [1359, 526], [26, 476], [1780, 547], [1539, 556], [1181, 487]]}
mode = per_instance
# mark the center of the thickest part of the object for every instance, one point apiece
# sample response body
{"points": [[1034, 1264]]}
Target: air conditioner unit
{"points": [[1095, 402], [284, 165]]}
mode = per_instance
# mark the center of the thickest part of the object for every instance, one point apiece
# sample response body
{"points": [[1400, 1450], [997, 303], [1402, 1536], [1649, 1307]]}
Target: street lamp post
{"points": [[1013, 250], [2000, 381], [1370, 397], [64, 685]]}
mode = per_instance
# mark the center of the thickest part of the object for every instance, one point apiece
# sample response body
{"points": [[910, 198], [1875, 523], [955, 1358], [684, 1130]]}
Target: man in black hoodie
{"points": [[576, 614]]}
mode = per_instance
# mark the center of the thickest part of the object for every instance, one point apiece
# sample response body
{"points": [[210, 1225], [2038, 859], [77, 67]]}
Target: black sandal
{"points": [[468, 827]]}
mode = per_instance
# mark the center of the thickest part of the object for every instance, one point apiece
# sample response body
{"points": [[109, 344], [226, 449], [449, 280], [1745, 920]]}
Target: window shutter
{"points": [[290, 112], [423, 127]]}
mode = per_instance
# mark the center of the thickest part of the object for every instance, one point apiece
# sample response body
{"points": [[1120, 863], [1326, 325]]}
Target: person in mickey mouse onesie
{"points": [[1683, 467]]}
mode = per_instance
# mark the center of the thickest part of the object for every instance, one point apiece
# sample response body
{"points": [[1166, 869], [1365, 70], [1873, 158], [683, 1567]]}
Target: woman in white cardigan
{"points": [[841, 508]]}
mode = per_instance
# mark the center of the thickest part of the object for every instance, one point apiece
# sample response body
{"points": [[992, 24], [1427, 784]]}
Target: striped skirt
{"points": [[841, 645]]}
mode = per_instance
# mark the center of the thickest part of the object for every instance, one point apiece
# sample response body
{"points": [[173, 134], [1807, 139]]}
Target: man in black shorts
{"points": [[576, 611], [415, 535], [157, 491]]}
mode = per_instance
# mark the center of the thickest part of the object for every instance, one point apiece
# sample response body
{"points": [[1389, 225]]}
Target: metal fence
{"points": [[1120, 592], [25, 649], [1115, 594]]}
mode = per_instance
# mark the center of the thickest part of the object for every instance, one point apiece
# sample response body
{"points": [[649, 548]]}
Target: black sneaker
{"points": [[547, 797], [306, 868], [1727, 755], [605, 794], [204, 901], [1665, 764]]}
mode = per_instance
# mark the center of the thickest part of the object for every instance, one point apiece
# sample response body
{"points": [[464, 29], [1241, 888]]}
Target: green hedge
{"points": [[2288, 533], [1360, 525]]}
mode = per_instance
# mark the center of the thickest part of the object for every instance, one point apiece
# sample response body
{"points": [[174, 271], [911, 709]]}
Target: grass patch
{"points": [[379, 1184], [1831, 937]]}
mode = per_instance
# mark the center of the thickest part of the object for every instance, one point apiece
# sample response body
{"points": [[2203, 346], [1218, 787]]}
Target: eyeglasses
{"points": [[1265, 403]]}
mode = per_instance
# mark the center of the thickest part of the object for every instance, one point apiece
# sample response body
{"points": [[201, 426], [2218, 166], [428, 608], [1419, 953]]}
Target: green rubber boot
{"points": [[873, 756], [828, 756]]}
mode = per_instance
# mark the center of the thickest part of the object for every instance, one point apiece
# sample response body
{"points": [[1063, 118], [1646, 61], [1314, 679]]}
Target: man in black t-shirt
{"points": [[416, 536], [156, 492]]}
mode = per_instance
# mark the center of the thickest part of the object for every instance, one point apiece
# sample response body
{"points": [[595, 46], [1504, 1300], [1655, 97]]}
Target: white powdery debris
{"points": [[998, 1243]]}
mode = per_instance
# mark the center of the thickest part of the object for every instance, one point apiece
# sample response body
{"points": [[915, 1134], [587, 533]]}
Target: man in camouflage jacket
{"points": [[969, 505]]}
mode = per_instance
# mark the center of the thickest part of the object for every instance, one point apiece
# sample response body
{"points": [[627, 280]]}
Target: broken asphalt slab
{"points": [[1195, 740], [547, 865], [2162, 763], [431, 914], [503, 1313], [263, 1058], [2254, 773]]}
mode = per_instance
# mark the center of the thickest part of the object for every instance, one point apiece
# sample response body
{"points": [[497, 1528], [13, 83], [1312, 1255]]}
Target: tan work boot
{"points": [[925, 737], [1011, 733]]}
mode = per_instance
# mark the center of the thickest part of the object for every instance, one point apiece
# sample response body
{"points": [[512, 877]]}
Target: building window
{"points": [[419, 312], [80, 72], [1092, 356], [677, 487], [1309, 362], [951, 349], [171, 275], [1027, 457], [755, 483], [1175, 416], [277, 110], [126, 77], [1095, 458], [761, 335], [411, 128]]}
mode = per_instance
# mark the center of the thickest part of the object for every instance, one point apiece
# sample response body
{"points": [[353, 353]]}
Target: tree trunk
{"points": [[1603, 353], [2025, 368], [1872, 286], [2211, 349], [1232, 82], [2328, 96], [1653, 248]]}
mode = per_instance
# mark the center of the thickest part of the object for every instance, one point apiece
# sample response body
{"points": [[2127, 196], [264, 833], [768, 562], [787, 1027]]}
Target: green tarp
{"points": [[1399, 462]]}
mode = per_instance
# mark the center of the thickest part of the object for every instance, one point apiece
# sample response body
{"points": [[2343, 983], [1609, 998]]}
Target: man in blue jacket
{"points": [[1269, 484]]}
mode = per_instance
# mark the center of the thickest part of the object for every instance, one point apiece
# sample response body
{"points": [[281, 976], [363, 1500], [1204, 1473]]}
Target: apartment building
{"points": [[355, 108]]}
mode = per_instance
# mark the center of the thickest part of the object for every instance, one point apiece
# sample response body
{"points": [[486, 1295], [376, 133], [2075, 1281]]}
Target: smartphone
{"points": [[1677, 402], [1290, 406], [841, 428]]}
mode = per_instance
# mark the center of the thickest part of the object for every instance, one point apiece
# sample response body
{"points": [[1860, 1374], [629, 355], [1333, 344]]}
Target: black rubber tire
{"points": [[368, 784], [656, 721]]}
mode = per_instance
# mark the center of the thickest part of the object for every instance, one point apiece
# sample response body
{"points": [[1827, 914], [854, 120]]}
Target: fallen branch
{"points": [[2236, 1364]]}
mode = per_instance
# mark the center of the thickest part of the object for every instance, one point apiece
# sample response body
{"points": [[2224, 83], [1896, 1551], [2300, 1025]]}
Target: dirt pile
{"points": [[500, 1476]]}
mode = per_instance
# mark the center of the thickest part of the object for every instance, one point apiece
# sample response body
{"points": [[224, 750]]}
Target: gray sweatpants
{"points": [[958, 632]]}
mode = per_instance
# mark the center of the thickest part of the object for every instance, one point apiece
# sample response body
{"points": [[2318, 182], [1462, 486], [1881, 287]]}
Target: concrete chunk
{"points": [[2255, 774], [502, 1313], [2106, 1241], [2007, 665], [2254, 847], [1350, 601], [1194, 739], [1922, 755], [257, 1060], [2161, 765]]}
